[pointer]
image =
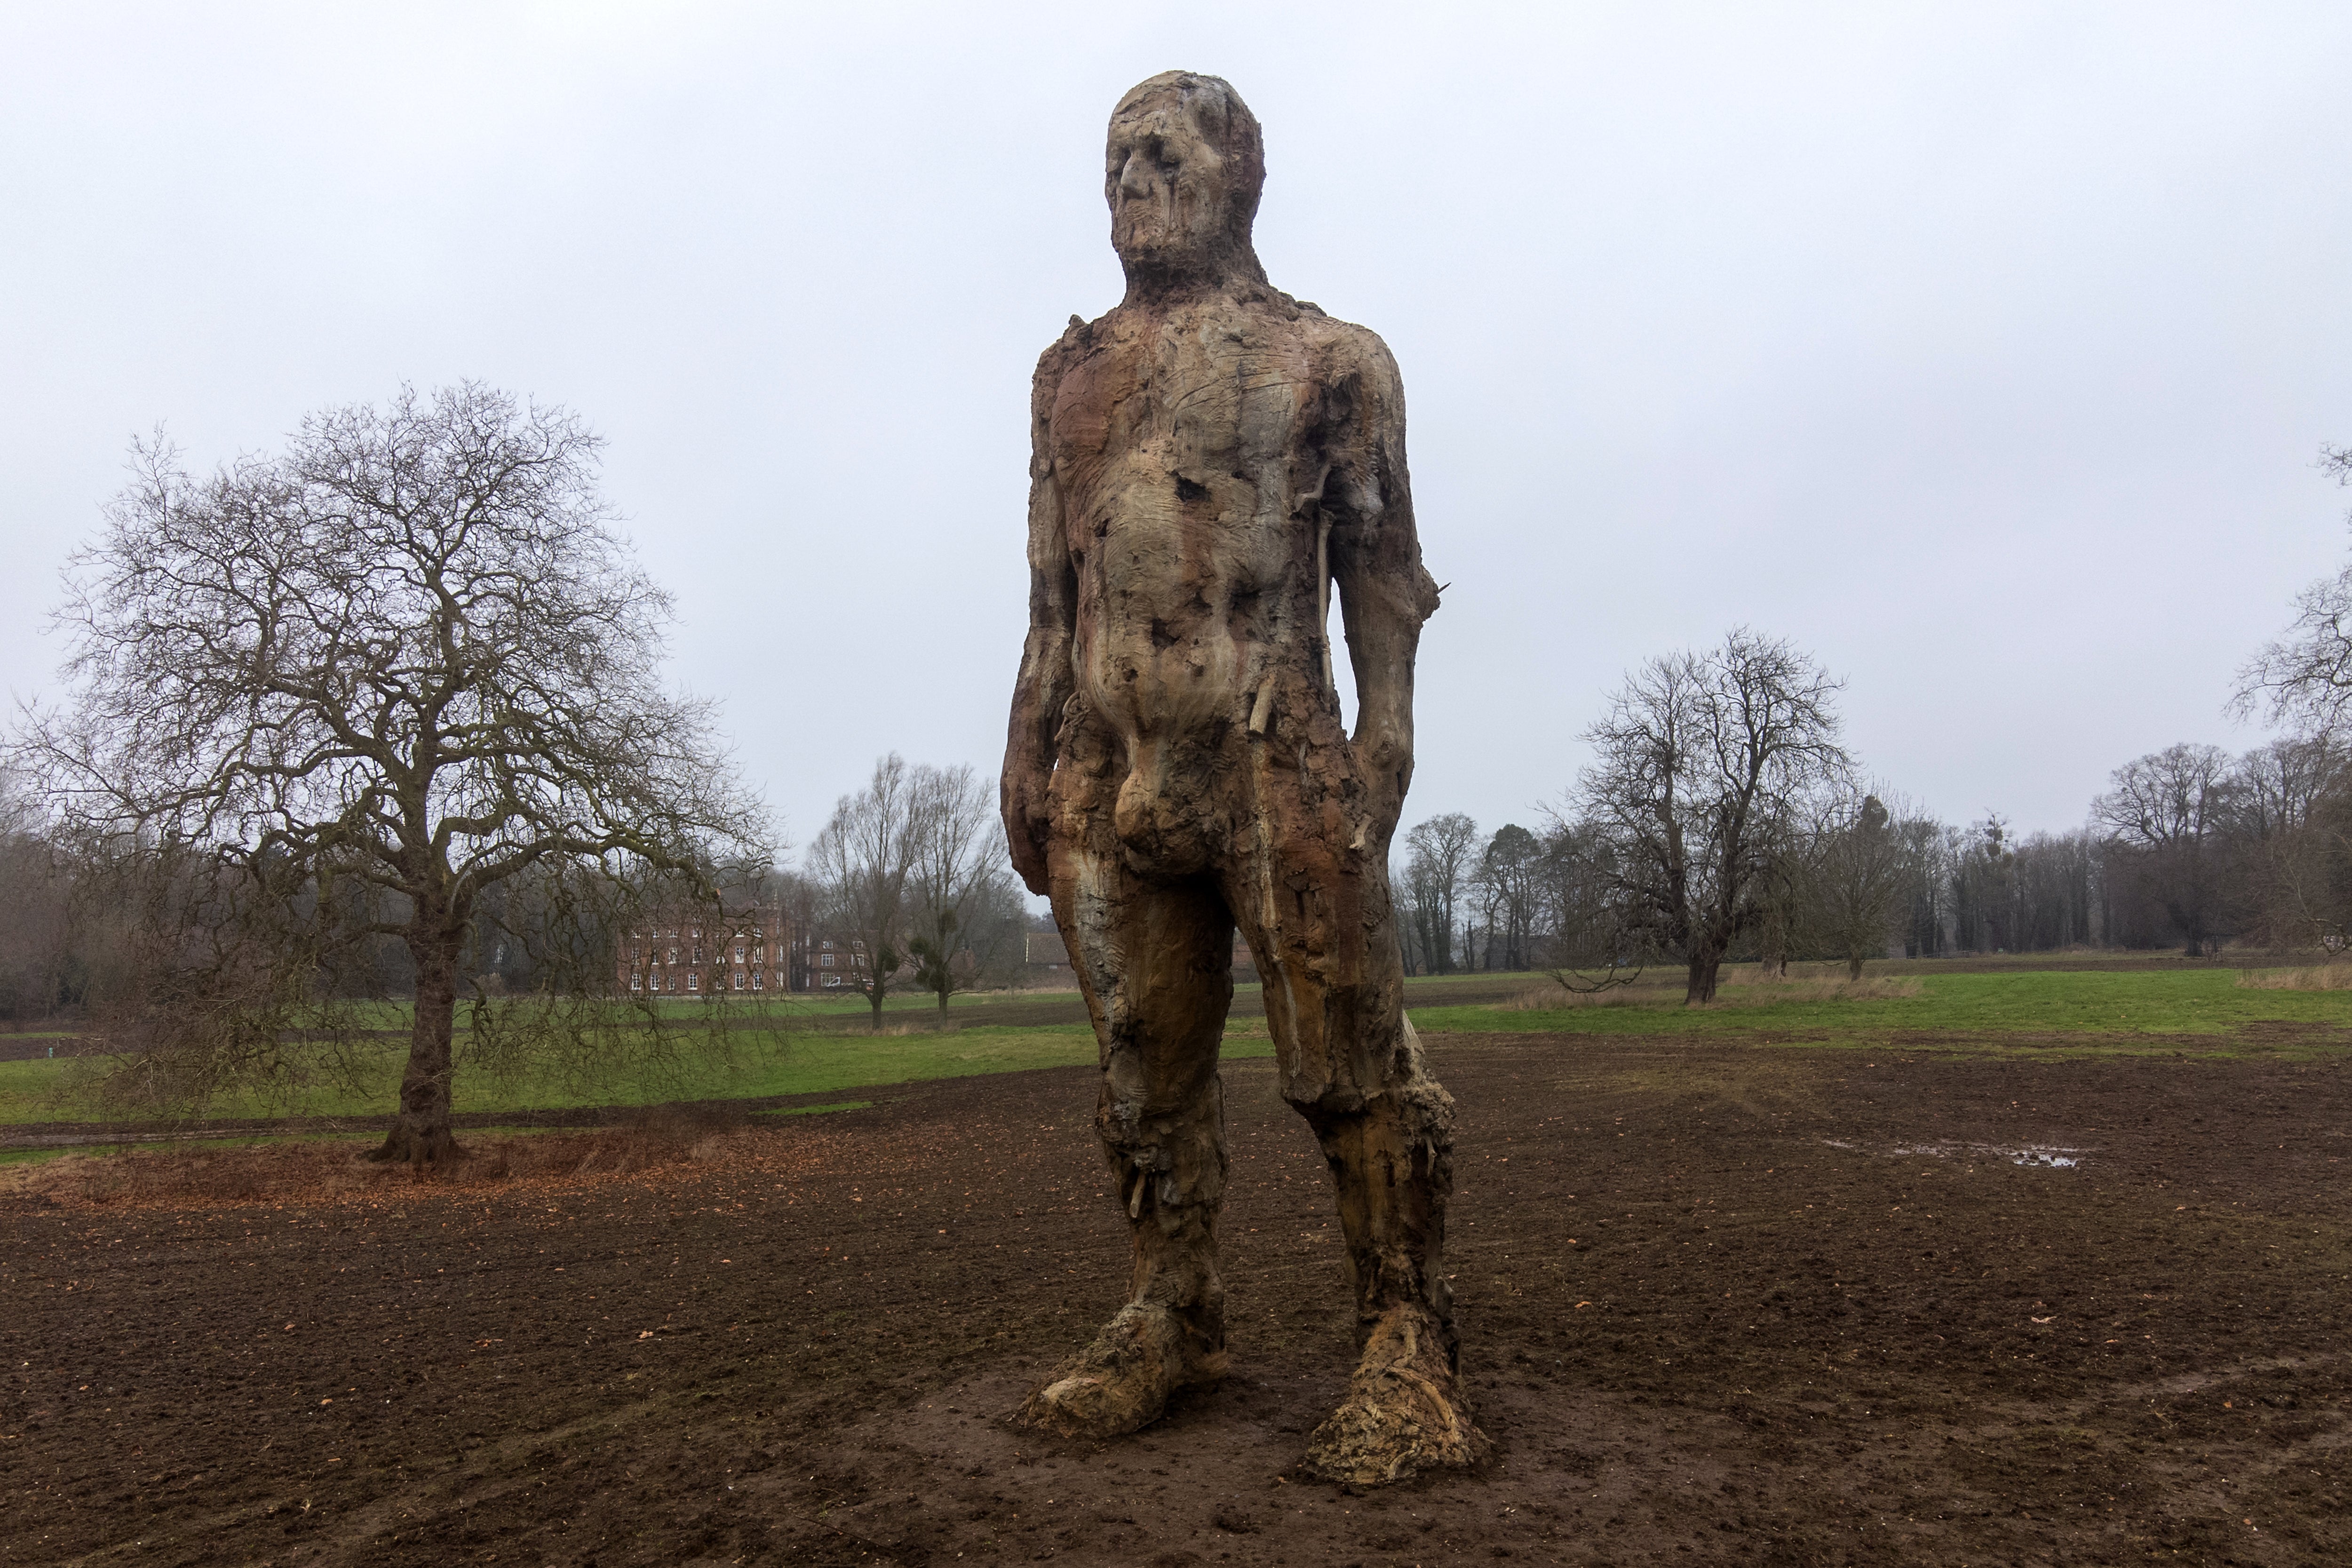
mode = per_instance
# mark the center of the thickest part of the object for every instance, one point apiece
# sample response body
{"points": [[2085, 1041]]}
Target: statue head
{"points": [[1186, 163]]}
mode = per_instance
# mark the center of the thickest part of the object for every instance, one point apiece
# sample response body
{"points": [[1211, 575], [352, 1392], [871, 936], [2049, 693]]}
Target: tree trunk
{"points": [[1703, 967], [421, 1132], [874, 1000], [1854, 964]]}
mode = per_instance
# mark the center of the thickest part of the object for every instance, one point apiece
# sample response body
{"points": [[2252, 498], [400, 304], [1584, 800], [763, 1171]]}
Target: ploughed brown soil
{"points": [[1719, 1304]]}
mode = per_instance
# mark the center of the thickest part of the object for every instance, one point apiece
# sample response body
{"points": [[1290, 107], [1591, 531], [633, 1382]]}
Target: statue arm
{"points": [[1046, 679], [1385, 594]]}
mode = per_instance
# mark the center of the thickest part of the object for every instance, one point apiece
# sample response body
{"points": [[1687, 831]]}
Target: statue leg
{"points": [[1155, 961], [1317, 914]]}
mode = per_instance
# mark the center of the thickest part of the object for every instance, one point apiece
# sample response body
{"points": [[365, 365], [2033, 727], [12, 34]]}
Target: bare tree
{"points": [[2304, 678], [957, 873], [1586, 937], [39, 963], [862, 860], [411, 657], [1507, 878], [1856, 878], [2169, 812], [1705, 760], [2291, 818], [1443, 850]]}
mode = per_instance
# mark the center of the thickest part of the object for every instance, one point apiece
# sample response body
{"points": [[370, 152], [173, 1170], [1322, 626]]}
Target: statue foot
{"points": [[1124, 1379], [1405, 1411]]}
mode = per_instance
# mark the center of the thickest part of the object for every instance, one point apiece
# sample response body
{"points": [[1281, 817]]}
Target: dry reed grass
{"points": [[320, 1172], [2333, 976]]}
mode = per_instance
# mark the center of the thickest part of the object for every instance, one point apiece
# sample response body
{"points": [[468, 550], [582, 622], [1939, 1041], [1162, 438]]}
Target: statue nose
{"points": [[1135, 177]]}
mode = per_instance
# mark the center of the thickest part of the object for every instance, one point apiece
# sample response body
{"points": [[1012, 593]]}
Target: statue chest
{"points": [[1196, 403]]}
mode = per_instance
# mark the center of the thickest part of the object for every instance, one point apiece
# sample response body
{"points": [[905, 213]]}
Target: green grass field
{"points": [[2115, 1009], [802, 1046]]}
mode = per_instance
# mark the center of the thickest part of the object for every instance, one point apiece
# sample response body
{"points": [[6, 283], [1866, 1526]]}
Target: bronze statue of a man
{"points": [[1208, 460]]}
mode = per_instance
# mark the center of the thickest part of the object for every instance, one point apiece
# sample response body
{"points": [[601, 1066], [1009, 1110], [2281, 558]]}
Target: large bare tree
{"points": [[1706, 765], [410, 654]]}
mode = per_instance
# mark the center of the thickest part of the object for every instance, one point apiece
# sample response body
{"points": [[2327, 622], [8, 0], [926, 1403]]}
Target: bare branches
{"points": [[410, 653], [956, 876], [2304, 679], [1442, 855], [1704, 764], [414, 639], [861, 860]]}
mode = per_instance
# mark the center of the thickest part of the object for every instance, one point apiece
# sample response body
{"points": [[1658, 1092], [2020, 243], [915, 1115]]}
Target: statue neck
{"points": [[1160, 279]]}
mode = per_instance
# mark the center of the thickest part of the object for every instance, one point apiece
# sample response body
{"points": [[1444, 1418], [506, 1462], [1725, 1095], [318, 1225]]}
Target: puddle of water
{"points": [[2039, 1156]]}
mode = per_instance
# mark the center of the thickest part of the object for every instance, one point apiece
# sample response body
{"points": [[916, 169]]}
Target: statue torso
{"points": [[1185, 444]]}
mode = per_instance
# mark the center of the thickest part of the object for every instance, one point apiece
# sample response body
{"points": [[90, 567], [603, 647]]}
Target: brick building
{"points": [[830, 962], [698, 952]]}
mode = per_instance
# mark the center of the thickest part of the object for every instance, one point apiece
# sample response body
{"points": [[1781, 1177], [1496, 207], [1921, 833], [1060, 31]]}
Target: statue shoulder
{"points": [[1078, 343], [1353, 355]]}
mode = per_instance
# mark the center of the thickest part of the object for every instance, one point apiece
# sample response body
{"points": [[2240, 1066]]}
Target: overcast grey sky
{"points": [[1984, 351]]}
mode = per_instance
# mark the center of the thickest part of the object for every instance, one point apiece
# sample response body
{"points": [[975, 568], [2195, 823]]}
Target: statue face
{"points": [[1170, 191]]}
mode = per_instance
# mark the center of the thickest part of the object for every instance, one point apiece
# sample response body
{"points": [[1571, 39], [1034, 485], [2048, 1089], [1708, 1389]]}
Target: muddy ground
{"points": [[1719, 1304]]}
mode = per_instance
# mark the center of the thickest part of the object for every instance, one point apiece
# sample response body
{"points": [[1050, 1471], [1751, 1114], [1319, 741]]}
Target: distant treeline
{"points": [[2190, 849]]}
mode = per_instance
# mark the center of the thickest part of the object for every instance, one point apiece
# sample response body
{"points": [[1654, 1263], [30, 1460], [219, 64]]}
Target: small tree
{"points": [[370, 680], [957, 878], [1856, 880], [1437, 869], [1590, 940], [1705, 762], [861, 861]]}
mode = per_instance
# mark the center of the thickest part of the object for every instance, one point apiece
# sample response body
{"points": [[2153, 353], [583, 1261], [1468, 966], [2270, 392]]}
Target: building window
{"points": [[739, 953], [636, 981], [825, 960], [756, 976], [673, 955], [738, 979], [693, 981], [833, 980]]}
